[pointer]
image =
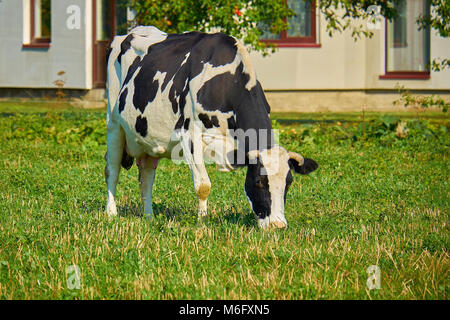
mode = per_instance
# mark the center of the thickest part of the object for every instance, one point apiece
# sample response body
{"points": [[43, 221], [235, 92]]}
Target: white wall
{"points": [[70, 50], [342, 64]]}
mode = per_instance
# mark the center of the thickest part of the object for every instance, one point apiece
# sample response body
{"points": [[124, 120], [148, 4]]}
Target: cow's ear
{"points": [[301, 165]]}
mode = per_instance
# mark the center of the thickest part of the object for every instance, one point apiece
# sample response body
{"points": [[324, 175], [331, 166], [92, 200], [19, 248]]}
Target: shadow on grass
{"points": [[169, 212], [178, 213]]}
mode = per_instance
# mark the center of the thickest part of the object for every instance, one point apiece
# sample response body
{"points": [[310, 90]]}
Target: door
{"points": [[109, 19]]}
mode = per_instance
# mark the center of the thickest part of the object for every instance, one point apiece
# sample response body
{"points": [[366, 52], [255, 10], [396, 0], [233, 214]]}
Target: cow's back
{"points": [[157, 88]]}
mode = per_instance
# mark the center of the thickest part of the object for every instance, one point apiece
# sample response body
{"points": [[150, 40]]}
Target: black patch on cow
{"points": [[141, 125], [207, 123], [108, 53], [226, 92], [127, 160], [289, 180], [125, 46], [308, 166], [186, 123], [179, 123], [122, 99], [192, 146], [144, 94], [215, 121], [228, 49], [231, 123], [131, 70], [257, 189]]}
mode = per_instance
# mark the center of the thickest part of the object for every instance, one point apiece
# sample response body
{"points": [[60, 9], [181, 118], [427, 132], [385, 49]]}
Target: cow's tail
{"points": [[113, 75], [127, 160]]}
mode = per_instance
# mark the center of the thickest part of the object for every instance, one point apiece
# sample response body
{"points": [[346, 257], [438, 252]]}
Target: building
{"points": [[310, 71]]}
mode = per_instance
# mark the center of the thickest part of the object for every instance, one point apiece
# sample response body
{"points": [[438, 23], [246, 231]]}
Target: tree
{"points": [[244, 19]]}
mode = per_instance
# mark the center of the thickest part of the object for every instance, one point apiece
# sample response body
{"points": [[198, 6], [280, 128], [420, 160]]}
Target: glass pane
{"points": [[46, 24], [399, 25], [42, 19], [104, 21], [300, 24], [408, 48]]}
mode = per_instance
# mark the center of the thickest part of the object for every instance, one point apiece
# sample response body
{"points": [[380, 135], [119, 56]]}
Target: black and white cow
{"points": [[196, 92]]}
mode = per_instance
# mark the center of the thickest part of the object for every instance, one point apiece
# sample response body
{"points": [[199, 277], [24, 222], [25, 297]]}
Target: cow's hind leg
{"points": [[147, 171], [115, 141]]}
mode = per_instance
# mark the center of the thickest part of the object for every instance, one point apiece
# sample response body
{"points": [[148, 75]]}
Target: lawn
{"points": [[379, 197]]}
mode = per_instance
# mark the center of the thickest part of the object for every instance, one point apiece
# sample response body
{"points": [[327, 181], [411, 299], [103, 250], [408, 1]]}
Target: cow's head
{"points": [[268, 180]]}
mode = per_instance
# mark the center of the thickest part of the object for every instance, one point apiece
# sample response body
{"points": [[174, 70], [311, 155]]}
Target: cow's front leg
{"points": [[115, 141], [147, 170], [193, 154]]}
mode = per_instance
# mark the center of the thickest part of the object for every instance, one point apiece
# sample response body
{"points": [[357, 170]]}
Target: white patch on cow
{"points": [[160, 76], [263, 223], [275, 162], [185, 59], [148, 31], [142, 43], [185, 84], [160, 120], [248, 68], [216, 146]]}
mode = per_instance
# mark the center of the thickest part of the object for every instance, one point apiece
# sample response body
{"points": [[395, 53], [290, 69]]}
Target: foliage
{"points": [[386, 130], [438, 19], [439, 64], [66, 128], [246, 20], [60, 83], [424, 102], [344, 14]]}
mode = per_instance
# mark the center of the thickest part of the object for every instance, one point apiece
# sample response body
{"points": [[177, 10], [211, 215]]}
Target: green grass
{"points": [[376, 199]]}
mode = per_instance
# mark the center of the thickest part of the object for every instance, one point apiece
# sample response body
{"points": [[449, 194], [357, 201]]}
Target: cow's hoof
{"points": [[277, 225], [271, 225], [148, 216], [111, 213], [202, 214]]}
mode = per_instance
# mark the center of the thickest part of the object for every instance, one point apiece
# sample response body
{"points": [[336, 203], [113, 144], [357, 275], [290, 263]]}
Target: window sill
{"points": [[306, 42], [36, 45], [406, 76], [298, 45]]}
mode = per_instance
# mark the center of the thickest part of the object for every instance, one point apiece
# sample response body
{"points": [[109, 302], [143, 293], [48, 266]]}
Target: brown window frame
{"points": [[299, 42], [35, 42]]}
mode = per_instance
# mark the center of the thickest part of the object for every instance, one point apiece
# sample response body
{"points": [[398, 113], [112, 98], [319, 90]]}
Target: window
{"points": [[40, 24], [407, 47], [111, 18], [301, 27]]}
